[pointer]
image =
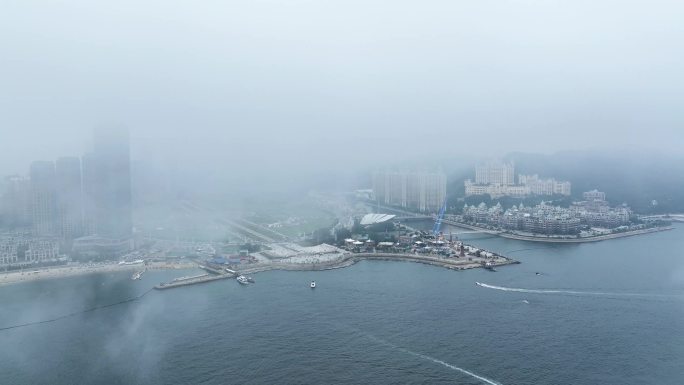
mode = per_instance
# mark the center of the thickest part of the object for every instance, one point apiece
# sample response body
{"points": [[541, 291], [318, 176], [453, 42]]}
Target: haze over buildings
{"points": [[43, 198], [69, 197], [495, 173], [329, 85], [85, 202], [497, 179], [110, 183], [175, 176], [545, 218], [423, 191]]}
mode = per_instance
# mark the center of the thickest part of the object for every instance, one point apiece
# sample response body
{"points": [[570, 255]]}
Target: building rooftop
{"points": [[371, 219]]}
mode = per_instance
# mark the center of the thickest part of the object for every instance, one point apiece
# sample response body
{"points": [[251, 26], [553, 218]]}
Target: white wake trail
{"points": [[428, 358], [543, 291], [456, 368], [537, 291]]}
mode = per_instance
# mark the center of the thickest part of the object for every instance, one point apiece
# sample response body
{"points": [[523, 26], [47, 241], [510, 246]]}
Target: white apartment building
{"points": [[495, 173], [539, 186], [17, 249], [496, 190], [594, 195]]}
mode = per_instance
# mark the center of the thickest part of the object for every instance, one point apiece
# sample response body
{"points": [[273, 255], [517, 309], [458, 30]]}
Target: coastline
{"points": [[597, 238], [559, 240], [351, 259], [45, 273], [16, 277]]}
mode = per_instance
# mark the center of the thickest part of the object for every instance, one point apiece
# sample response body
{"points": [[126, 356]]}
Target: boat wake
{"points": [[432, 359], [570, 292], [452, 367]]}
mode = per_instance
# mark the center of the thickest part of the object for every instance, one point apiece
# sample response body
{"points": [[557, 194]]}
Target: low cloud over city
{"points": [[275, 85], [341, 192]]}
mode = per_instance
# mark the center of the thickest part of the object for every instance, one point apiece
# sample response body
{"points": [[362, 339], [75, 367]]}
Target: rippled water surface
{"points": [[602, 313]]}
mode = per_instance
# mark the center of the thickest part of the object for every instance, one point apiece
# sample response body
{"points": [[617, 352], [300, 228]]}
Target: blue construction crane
{"points": [[438, 222]]}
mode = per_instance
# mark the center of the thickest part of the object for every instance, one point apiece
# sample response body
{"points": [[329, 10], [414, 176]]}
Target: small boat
{"points": [[489, 266], [313, 284], [137, 275], [478, 284], [250, 280], [242, 280]]}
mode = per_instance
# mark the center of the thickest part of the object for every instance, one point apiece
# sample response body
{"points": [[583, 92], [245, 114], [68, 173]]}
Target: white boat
{"points": [[313, 284], [137, 275], [242, 280], [136, 262]]}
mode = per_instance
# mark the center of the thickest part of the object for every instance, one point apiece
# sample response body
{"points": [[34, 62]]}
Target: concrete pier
{"points": [[192, 281], [214, 274]]}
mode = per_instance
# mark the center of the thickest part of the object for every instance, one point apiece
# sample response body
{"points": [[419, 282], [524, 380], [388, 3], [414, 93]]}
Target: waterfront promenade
{"points": [[39, 273], [349, 259], [314, 262], [556, 239]]}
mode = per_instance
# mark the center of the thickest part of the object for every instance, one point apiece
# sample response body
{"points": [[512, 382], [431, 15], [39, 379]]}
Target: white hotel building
{"points": [[498, 180]]}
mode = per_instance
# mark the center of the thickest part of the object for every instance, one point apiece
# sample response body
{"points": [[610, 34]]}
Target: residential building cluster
{"points": [[423, 191], [497, 179], [23, 249], [548, 219], [73, 198]]}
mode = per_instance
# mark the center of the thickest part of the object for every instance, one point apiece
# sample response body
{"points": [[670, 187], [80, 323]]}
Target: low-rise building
{"points": [[19, 249]]}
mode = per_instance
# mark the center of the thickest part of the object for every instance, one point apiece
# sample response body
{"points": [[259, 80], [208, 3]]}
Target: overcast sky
{"points": [[284, 83]]}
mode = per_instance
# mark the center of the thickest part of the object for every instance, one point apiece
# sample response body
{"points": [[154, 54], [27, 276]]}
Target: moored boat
{"points": [[489, 266], [242, 280]]}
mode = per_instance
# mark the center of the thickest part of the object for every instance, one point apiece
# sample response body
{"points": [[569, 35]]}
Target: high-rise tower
{"points": [[69, 198], [107, 185], [43, 198]]}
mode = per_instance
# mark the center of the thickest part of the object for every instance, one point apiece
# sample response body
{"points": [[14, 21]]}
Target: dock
{"points": [[207, 278], [213, 274]]}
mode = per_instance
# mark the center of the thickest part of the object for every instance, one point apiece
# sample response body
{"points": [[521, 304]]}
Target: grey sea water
{"points": [[601, 313]]}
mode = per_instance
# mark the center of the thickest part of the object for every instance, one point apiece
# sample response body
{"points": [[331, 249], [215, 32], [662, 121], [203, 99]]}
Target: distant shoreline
{"points": [[588, 239], [60, 272], [596, 238]]}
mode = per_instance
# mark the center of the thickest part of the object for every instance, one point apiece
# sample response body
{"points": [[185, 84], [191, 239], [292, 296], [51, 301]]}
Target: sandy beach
{"points": [[28, 275]]}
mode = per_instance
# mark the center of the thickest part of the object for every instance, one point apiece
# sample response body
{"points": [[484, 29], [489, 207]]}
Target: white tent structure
{"points": [[372, 219]]}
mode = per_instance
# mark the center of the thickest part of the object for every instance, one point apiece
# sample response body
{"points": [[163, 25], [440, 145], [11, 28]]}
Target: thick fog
{"points": [[249, 87]]}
